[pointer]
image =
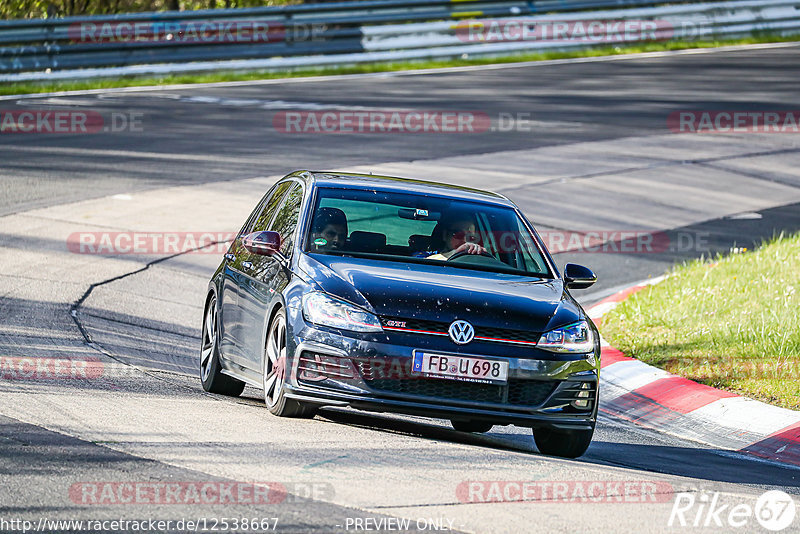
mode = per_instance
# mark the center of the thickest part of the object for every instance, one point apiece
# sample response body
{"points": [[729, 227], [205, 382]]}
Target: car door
{"points": [[267, 277], [235, 275]]}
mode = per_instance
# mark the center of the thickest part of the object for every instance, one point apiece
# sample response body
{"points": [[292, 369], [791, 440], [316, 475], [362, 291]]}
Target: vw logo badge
{"points": [[461, 332]]}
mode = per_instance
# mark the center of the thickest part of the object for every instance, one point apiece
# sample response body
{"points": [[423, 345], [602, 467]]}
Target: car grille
{"points": [[495, 334], [522, 393], [529, 392], [441, 389]]}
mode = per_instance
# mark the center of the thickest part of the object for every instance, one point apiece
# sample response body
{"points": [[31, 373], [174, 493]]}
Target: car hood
{"points": [[444, 293]]}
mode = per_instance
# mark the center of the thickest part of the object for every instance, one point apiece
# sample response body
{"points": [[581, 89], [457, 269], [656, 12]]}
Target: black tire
{"points": [[274, 374], [210, 369], [471, 426], [564, 443]]}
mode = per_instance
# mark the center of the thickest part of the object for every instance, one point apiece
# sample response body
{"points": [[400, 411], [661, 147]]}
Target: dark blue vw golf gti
{"points": [[397, 295]]}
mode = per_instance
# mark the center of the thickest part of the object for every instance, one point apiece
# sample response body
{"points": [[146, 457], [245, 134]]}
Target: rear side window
{"points": [[285, 221], [261, 223]]}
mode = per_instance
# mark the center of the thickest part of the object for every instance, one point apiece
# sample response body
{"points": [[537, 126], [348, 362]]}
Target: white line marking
{"points": [[632, 374], [72, 151], [740, 412]]}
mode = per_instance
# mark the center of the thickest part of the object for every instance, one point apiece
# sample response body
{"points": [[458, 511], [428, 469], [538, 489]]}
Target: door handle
{"points": [[230, 257], [247, 265]]}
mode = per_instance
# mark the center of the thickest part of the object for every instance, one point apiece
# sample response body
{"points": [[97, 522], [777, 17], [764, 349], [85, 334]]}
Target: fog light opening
{"points": [[582, 400], [316, 368], [312, 369]]}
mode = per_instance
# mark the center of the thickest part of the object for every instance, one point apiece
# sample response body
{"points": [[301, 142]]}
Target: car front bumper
{"points": [[539, 393]]}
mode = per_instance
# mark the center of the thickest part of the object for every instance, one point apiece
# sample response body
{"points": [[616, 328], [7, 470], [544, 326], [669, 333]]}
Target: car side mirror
{"points": [[578, 277], [263, 243]]}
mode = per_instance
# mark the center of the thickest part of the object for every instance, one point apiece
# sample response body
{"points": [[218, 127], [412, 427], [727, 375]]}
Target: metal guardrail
{"points": [[336, 27], [308, 35], [672, 22]]}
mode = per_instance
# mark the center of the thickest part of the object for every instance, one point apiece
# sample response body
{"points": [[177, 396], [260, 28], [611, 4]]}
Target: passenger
{"points": [[329, 229], [455, 233]]}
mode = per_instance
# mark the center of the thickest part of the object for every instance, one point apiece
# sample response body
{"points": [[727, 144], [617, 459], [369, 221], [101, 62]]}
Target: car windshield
{"points": [[423, 229]]}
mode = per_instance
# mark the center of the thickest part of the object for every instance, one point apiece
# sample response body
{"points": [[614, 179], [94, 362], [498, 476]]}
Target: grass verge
{"points": [[222, 76], [732, 324]]}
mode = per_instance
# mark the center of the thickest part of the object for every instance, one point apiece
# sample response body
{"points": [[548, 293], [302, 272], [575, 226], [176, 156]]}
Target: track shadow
{"points": [[433, 431], [701, 463]]}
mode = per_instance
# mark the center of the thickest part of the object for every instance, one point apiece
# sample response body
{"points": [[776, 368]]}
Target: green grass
{"points": [[731, 324], [222, 76]]}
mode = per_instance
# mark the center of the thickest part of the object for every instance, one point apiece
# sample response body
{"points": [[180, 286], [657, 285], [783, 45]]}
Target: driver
{"points": [[329, 230], [456, 233]]}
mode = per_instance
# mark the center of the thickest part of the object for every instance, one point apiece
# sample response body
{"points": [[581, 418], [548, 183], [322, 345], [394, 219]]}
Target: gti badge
{"points": [[461, 332]]}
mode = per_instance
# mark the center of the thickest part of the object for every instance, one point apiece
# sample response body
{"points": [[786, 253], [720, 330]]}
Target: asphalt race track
{"points": [[582, 147]]}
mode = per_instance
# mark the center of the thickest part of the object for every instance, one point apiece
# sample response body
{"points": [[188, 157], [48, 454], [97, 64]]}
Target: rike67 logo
{"points": [[774, 510]]}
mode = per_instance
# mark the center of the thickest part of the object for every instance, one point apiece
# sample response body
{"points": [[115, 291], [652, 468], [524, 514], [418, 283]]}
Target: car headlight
{"points": [[576, 337], [321, 309]]}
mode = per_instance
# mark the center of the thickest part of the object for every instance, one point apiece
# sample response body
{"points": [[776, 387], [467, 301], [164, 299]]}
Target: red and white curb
{"points": [[653, 398]]}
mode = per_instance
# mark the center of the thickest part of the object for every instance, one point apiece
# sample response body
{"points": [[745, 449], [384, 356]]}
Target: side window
{"points": [[261, 223], [286, 219]]}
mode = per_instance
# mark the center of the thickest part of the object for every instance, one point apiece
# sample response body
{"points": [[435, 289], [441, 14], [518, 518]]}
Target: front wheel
{"points": [[274, 371], [564, 443], [210, 368]]}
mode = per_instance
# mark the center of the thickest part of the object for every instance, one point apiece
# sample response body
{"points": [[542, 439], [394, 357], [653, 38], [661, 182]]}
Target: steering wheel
{"points": [[465, 253]]}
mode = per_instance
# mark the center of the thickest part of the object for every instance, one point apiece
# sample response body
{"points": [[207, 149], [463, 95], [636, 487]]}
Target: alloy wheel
{"points": [[275, 361], [209, 340]]}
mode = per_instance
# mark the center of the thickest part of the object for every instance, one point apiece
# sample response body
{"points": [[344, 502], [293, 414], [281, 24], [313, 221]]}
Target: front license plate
{"points": [[462, 368]]}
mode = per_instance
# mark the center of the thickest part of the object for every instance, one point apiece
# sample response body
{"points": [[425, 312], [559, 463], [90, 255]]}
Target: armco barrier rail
{"points": [[313, 35]]}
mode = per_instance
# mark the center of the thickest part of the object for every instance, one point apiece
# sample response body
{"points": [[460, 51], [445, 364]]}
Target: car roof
{"points": [[393, 183]]}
